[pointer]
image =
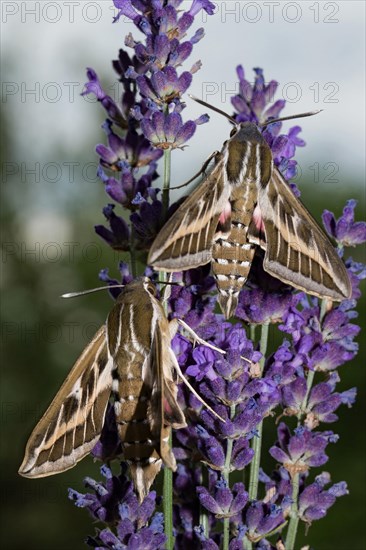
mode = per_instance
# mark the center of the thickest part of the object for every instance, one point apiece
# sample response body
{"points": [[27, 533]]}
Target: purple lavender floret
{"points": [[257, 306], [224, 502], [133, 149], [146, 223], [118, 236], [114, 111], [205, 543], [114, 501], [305, 449], [262, 518], [128, 190], [278, 487], [169, 131], [252, 101], [345, 230], [315, 499], [322, 346]]}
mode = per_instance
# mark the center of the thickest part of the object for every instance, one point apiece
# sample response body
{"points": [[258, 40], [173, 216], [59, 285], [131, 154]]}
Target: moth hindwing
{"points": [[129, 359], [243, 203]]}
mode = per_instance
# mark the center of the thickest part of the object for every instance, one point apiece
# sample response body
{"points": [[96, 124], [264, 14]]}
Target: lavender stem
{"points": [[168, 507], [294, 521], [166, 180], [257, 440], [226, 475], [203, 511], [168, 474], [133, 252]]}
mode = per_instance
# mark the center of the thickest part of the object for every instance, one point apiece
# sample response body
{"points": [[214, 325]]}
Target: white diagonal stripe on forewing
{"points": [[212, 211], [179, 228], [258, 171], [315, 232], [208, 225], [288, 245], [94, 399], [276, 221], [120, 328]]}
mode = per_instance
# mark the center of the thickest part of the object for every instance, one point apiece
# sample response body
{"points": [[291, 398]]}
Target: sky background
{"points": [[52, 199]]}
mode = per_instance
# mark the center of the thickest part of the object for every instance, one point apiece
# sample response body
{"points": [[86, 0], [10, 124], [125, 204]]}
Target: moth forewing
{"points": [[298, 252], [186, 239], [164, 412], [243, 203], [72, 424]]}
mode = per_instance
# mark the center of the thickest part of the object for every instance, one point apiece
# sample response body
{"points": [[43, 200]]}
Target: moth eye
{"points": [[233, 132]]}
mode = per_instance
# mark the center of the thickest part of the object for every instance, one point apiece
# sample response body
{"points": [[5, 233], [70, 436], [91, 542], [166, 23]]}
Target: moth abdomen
{"points": [[232, 257]]}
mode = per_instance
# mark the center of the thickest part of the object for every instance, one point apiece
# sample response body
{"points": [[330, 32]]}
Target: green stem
{"points": [[226, 476], [311, 373], [166, 180], [168, 474], [168, 507], [203, 511], [168, 482], [294, 521], [309, 383], [133, 252], [252, 332], [257, 440]]}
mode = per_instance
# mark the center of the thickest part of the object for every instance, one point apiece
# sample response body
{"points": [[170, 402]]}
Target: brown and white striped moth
{"points": [[243, 203], [130, 360]]}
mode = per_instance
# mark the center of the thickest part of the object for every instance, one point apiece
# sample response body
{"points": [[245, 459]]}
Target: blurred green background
{"points": [[51, 199]]}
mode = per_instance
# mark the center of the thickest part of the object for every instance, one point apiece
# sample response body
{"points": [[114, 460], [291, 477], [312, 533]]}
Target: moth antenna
{"points": [[83, 292], [216, 109], [176, 283], [301, 115]]}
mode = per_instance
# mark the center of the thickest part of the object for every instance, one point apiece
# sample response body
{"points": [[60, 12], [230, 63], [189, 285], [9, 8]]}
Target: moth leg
{"points": [[173, 327], [201, 171], [185, 381], [200, 340]]}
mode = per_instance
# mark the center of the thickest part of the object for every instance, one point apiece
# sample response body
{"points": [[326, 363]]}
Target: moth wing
{"points": [[296, 250], [72, 424], [165, 411], [187, 238]]}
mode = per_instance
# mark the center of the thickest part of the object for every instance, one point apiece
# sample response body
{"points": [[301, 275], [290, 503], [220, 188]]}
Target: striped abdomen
{"points": [[132, 388], [232, 257], [133, 407]]}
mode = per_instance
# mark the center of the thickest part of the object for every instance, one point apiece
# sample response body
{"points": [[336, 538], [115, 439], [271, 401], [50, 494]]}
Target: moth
{"points": [[245, 202], [130, 360]]}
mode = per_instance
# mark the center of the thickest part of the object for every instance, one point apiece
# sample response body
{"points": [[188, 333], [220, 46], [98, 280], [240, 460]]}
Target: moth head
{"points": [[248, 131]]}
